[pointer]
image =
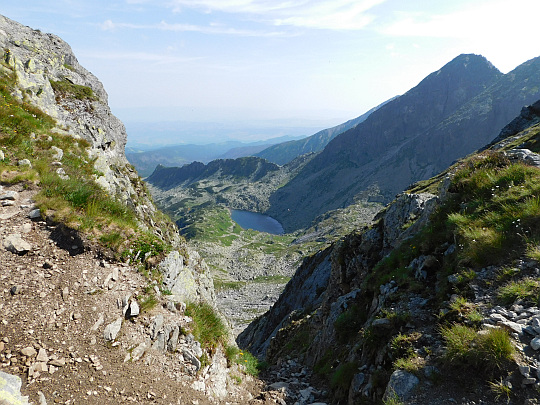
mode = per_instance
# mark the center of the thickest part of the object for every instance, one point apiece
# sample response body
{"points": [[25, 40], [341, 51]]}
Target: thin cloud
{"points": [[158, 59], [319, 14], [213, 29], [219, 30]]}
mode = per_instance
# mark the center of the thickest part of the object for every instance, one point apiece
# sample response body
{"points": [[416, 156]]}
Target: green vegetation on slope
{"points": [[499, 210], [66, 89], [69, 196], [488, 218]]}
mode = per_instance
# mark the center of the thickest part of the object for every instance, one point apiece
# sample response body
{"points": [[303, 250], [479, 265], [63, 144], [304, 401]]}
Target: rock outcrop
{"points": [[50, 77], [10, 390]]}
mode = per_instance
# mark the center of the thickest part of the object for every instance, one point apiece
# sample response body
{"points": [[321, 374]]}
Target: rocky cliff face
{"points": [[449, 114], [45, 65], [377, 315]]}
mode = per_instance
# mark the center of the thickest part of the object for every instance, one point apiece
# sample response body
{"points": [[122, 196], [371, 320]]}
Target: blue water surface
{"points": [[257, 222]]}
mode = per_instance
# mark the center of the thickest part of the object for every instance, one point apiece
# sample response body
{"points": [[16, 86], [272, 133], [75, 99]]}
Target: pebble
{"points": [[29, 351], [42, 356]]}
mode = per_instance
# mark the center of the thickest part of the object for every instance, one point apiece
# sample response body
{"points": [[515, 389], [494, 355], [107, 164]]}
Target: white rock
{"points": [[58, 153], [9, 195], [15, 244], [192, 359], [134, 309], [10, 387], [112, 329], [98, 323], [42, 356], [35, 214], [28, 351], [401, 384], [139, 351]]}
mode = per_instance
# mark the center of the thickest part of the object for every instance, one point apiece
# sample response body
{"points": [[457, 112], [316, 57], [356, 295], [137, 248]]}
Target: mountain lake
{"points": [[257, 222]]}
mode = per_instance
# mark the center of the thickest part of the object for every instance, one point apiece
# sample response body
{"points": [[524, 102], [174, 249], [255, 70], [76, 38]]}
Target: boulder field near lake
{"points": [[432, 299]]}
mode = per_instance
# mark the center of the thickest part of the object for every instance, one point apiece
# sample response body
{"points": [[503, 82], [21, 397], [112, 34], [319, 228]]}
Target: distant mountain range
{"points": [[245, 168], [178, 155], [449, 114], [284, 152]]}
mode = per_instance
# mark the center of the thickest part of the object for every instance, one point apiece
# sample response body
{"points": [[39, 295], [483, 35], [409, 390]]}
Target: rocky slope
{"points": [[41, 61], [76, 329], [102, 300], [437, 302], [449, 114]]}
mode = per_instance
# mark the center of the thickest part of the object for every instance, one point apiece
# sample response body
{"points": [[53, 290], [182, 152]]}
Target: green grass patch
{"points": [[66, 89], [501, 389], [487, 349], [247, 362], [526, 289], [275, 279], [499, 209], [144, 246], [343, 375], [148, 302], [208, 327], [228, 285]]}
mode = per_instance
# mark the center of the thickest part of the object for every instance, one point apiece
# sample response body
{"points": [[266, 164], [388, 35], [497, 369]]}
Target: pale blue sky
{"points": [[331, 60]]}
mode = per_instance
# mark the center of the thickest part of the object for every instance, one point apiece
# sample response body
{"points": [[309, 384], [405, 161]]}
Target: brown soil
{"points": [[37, 311]]}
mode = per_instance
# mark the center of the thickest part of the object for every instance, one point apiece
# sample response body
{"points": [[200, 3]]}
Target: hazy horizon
{"points": [[210, 61]]}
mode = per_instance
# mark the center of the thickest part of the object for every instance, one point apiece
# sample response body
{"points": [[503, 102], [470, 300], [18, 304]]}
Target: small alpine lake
{"points": [[257, 222]]}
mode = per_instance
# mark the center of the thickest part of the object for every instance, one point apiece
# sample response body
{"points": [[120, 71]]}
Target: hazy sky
{"points": [[275, 59]]}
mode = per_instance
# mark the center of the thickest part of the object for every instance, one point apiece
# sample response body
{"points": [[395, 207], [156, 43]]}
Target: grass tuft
{"points": [[526, 289], [208, 327], [247, 362], [66, 89], [488, 349]]}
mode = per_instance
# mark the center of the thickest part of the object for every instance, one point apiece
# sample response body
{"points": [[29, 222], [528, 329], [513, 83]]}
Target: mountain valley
{"points": [[408, 273]]}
